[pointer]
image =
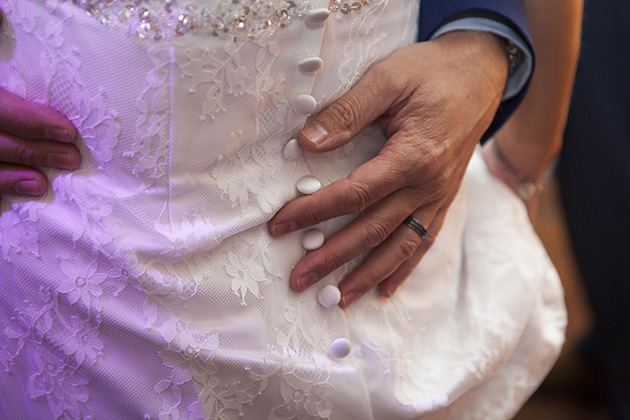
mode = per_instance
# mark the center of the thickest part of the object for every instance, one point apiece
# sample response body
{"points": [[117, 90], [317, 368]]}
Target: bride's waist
{"points": [[164, 206]]}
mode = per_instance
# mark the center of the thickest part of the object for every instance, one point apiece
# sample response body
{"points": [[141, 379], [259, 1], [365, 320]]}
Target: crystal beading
{"points": [[231, 19]]}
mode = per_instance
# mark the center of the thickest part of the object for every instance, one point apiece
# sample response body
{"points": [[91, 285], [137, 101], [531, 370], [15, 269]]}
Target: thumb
{"points": [[343, 119]]}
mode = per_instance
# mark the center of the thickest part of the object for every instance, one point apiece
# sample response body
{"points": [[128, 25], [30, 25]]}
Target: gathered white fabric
{"points": [[145, 284]]}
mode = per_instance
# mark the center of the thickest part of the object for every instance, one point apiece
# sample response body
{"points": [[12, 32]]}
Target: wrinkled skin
{"points": [[434, 100]]}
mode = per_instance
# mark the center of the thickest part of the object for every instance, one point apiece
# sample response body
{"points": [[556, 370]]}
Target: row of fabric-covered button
{"points": [[329, 296]]}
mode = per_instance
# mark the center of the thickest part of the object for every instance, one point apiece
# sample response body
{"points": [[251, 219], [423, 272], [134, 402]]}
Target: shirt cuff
{"points": [[517, 80]]}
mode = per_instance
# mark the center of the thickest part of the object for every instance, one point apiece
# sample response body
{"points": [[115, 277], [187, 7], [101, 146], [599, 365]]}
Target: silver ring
{"points": [[417, 227]]}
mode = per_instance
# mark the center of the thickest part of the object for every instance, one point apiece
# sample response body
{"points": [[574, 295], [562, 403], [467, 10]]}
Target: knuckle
{"points": [[312, 215], [386, 74], [370, 281], [25, 127], [441, 181], [21, 121], [432, 158], [375, 233], [358, 198], [332, 261], [345, 111], [24, 155], [408, 246], [437, 186]]}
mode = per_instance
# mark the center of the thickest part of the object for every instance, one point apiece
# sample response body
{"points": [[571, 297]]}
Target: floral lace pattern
{"points": [[150, 148]]}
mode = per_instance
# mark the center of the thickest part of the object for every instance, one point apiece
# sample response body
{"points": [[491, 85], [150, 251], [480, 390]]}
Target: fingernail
{"points": [[29, 187], [60, 161], [306, 281], [350, 297], [389, 292], [315, 133], [282, 228], [59, 134]]}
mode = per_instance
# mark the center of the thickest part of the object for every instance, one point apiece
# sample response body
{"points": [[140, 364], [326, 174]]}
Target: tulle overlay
{"points": [[145, 284]]}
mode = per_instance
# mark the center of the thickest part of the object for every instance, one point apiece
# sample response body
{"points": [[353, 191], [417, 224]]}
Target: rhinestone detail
{"points": [[234, 20]]}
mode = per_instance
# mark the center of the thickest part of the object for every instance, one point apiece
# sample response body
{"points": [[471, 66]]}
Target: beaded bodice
{"points": [[235, 19]]}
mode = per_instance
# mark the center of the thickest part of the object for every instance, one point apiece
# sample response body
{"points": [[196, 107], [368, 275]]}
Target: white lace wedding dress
{"points": [[145, 285]]}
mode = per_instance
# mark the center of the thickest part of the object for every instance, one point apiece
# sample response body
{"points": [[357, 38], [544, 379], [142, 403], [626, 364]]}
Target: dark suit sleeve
{"points": [[435, 13]]}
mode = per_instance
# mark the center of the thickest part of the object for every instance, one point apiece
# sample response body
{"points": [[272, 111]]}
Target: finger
{"points": [[388, 286], [399, 247], [30, 120], [389, 171], [367, 231], [21, 180], [370, 98], [44, 153]]}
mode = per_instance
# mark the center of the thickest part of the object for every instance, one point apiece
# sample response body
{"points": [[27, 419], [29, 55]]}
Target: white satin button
{"points": [[316, 16], [313, 239], [308, 184], [329, 296], [304, 104], [311, 64], [340, 348], [293, 150]]}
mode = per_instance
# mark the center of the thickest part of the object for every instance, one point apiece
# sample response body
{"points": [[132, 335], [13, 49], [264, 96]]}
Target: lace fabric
{"points": [[145, 285]]}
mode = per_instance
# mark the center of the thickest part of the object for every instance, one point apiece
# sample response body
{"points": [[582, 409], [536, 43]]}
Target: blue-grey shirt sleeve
{"points": [[521, 74], [436, 14]]}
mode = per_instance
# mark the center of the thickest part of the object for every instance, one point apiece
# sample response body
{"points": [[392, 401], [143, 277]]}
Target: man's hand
{"points": [[32, 135], [434, 100]]}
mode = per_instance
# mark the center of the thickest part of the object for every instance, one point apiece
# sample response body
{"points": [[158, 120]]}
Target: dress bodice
{"points": [[199, 120]]}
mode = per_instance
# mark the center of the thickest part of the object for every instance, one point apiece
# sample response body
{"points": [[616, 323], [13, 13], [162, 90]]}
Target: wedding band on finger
{"points": [[418, 227]]}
